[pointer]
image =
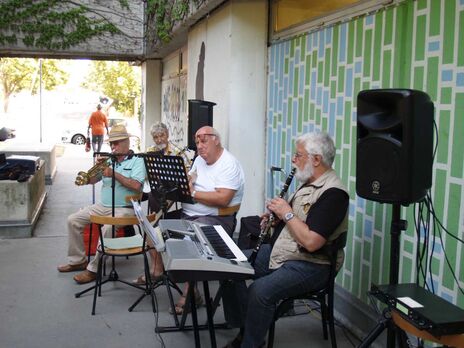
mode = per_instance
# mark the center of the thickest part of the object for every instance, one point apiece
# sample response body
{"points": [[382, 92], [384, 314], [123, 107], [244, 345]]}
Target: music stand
{"points": [[167, 176]]}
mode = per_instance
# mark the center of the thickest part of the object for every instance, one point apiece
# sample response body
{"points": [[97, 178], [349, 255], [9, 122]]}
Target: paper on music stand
{"points": [[152, 232]]}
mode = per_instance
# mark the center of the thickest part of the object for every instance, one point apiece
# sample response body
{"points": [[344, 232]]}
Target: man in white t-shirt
{"points": [[216, 181]]}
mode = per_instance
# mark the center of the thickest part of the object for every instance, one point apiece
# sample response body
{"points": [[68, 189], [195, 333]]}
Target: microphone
{"points": [[277, 169]]}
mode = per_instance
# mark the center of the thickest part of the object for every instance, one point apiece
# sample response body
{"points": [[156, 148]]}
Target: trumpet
{"points": [[83, 178]]}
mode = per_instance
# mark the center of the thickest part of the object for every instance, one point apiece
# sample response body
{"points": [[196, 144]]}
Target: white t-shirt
{"points": [[226, 172]]}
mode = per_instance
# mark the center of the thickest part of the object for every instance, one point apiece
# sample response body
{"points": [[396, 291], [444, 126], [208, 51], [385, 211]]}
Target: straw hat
{"points": [[118, 132]]}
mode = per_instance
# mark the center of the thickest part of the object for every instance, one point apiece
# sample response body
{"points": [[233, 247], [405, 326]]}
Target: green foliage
{"points": [[50, 24], [17, 74], [162, 15], [118, 80]]}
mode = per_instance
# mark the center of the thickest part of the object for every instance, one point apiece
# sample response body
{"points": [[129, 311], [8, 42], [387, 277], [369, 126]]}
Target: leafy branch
{"points": [[50, 24], [163, 15]]}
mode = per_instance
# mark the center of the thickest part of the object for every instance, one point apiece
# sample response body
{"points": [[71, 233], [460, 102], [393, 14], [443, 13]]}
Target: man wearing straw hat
{"points": [[129, 173]]}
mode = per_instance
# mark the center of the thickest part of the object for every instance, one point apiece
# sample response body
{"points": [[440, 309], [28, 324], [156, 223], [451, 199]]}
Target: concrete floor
{"points": [[37, 303]]}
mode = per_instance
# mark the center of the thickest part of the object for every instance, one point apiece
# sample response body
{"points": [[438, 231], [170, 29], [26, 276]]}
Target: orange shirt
{"points": [[98, 122]]}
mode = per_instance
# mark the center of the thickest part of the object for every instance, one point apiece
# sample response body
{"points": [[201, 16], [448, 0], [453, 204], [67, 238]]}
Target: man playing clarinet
{"points": [[316, 214]]}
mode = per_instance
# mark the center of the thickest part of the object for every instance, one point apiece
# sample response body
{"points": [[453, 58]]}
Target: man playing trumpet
{"points": [[129, 174]]}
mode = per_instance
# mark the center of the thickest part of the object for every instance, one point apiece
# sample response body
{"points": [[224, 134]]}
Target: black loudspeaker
{"points": [[200, 114], [394, 145]]}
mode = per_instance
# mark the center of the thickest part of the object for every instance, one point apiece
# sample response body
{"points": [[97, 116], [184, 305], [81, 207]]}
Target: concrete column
{"points": [[151, 98]]}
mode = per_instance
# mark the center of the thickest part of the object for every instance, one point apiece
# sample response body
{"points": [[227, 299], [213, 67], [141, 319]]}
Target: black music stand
{"points": [[168, 177]]}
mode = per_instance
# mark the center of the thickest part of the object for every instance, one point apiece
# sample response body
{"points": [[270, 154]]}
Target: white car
{"points": [[77, 135]]}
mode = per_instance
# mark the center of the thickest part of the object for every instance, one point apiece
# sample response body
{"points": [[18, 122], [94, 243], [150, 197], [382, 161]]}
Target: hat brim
{"points": [[121, 137]]}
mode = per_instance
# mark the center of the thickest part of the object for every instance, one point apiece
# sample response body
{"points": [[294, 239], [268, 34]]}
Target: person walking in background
{"points": [[98, 122]]}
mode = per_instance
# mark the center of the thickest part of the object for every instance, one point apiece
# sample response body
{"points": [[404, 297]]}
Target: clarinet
{"points": [[266, 228]]}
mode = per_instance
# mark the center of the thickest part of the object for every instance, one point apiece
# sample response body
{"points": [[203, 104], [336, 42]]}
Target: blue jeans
{"points": [[253, 308]]}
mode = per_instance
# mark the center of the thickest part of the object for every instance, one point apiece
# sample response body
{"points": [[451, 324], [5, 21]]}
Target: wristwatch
{"points": [[194, 192], [288, 216]]}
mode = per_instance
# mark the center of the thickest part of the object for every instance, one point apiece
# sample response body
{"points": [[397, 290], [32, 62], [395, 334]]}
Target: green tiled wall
{"points": [[313, 84]]}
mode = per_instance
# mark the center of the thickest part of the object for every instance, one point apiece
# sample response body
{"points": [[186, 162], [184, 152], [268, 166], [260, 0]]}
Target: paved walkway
{"points": [[37, 304]]}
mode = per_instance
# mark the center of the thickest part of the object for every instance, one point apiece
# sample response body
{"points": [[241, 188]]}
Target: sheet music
{"points": [[153, 232]]}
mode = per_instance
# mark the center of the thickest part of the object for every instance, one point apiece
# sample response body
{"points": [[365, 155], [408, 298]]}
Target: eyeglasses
{"points": [[201, 138], [298, 155]]}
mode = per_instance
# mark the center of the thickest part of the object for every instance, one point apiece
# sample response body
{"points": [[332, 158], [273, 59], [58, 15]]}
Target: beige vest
{"points": [[285, 247]]}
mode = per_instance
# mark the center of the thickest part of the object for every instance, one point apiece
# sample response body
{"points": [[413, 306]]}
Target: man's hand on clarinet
{"points": [[279, 207]]}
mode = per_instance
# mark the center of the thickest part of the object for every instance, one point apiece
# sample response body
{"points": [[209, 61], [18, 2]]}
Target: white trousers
{"points": [[76, 225]]}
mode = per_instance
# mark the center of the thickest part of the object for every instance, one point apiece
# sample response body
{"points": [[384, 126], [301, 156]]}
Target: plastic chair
{"points": [[121, 247], [324, 296]]}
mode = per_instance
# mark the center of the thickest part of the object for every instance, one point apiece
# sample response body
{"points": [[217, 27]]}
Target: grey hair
{"points": [[216, 134], [319, 143], [159, 127]]}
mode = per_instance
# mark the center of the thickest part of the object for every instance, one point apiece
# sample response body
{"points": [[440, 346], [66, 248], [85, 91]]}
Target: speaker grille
{"points": [[378, 174]]}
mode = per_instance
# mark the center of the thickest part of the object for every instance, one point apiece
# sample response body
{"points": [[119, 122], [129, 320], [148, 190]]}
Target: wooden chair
{"points": [[324, 296], [122, 247], [91, 247]]}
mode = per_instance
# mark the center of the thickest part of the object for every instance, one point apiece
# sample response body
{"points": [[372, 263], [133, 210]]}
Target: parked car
{"points": [[78, 134]]}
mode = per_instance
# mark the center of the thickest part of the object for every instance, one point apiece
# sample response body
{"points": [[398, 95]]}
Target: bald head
{"points": [[208, 143]]}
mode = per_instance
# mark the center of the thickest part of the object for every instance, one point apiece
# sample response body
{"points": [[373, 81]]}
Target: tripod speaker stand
{"points": [[393, 165]]}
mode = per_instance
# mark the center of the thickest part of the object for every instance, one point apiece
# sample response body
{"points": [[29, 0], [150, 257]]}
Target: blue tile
{"points": [[354, 116], [357, 67], [369, 20], [331, 123], [319, 96], [285, 86], [360, 202], [309, 42], [434, 46], [313, 85], [461, 2], [447, 75], [321, 44], [340, 106], [368, 229], [349, 82], [325, 102], [352, 210], [437, 248], [460, 79], [446, 297], [328, 37]]}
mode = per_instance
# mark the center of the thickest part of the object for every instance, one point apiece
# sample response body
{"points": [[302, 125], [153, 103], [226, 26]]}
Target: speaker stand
{"points": [[386, 322]]}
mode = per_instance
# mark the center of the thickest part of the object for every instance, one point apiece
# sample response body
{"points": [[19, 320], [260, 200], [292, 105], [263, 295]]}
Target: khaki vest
{"points": [[285, 247]]}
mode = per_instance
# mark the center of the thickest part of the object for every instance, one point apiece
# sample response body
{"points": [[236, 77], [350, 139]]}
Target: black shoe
{"points": [[235, 343]]}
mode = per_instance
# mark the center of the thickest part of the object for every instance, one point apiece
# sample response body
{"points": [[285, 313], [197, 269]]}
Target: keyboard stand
{"points": [[195, 326]]}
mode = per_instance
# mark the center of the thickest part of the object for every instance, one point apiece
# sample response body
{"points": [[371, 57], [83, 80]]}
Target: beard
{"points": [[159, 147], [303, 175]]}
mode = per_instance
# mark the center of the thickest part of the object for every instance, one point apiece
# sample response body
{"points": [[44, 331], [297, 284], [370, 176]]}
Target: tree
{"points": [[17, 74], [118, 80]]}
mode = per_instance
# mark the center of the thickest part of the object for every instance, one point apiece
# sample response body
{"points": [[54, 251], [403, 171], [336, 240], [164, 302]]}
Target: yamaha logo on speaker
{"points": [[376, 187]]}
